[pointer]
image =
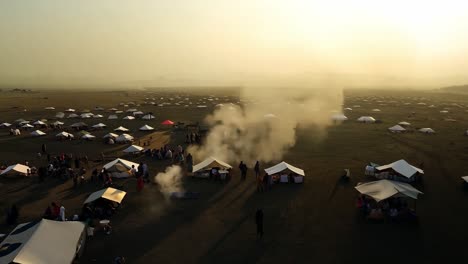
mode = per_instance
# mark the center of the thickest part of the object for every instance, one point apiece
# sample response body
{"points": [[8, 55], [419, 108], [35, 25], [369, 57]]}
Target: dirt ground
{"points": [[315, 222]]}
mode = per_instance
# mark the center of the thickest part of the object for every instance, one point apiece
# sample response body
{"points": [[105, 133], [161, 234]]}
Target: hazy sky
{"points": [[223, 41]]}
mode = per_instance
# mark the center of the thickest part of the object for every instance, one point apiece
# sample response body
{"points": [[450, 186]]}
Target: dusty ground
{"points": [[315, 222]]}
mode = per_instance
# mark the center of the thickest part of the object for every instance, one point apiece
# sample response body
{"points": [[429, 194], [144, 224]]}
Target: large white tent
{"points": [[384, 189], [109, 193], [397, 128], [37, 133], [211, 163], [283, 166], [146, 128], [366, 119], [16, 169], [120, 168], [43, 242], [401, 167], [133, 149]]}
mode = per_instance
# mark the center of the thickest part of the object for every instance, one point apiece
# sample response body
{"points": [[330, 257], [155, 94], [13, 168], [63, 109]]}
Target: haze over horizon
{"points": [[218, 42]]}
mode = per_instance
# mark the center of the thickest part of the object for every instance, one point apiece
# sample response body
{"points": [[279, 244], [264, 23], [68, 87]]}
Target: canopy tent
{"points": [[283, 166], [113, 117], [69, 110], [384, 189], [58, 123], [402, 168], [88, 137], [124, 138], [465, 178], [148, 117], [397, 128], [110, 135], [5, 124], [39, 123], [211, 163], [27, 126], [60, 115], [109, 193], [146, 128], [43, 242], [121, 129], [427, 130], [339, 117], [16, 169], [64, 134], [98, 116], [79, 124], [366, 119], [120, 168], [37, 133], [73, 115], [167, 122], [404, 123], [49, 108], [129, 118], [133, 149], [100, 125]]}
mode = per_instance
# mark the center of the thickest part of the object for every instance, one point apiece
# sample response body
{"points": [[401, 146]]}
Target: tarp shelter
{"points": [[384, 189], [60, 115], [113, 117], [404, 123], [398, 168], [397, 128], [64, 134], [16, 169], [98, 116], [427, 130], [211, 163], [86, 115], [73, 116], [283, 166], [39, 123], [146, 128], [148, 117], [129, 118], [124, 138], [120, 168], [366, 119], [37, 133], [57, 123], [100, 125], [167, 122], [110, 135], [88, 137], [109, 193], [121, 129], [27, 126], [44, 242], [5, 124], [133, 149]]}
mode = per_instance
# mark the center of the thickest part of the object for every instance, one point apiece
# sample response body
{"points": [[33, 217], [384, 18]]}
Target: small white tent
{"points": [[366, 119], [339, 117], [37, 133], [210, 163], [120, 168], [129, 118], [16, 169], [64, 134], [384, 189], [397, 129], [100, 125], [88, 137], [60, 115], [49, 108], [121, 129], [124, 138], [5, 124], [109, 193], [110, 135], [427, 130], [44, 242], [404, 123], [465, 178], [70, 110], [286, 167], [133, 149], [148, 117], [39, 123], [113, 117], [146, 128]]}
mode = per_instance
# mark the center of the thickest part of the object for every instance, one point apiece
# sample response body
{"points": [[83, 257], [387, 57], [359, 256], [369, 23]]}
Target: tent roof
{"points": [[110, 135], [404, 123], [129, 118], [64, 134], [109, 193], [426, 130], [88, 136], [284, 166], [127, 164], [211, 163], [43, 242], [133, 148], [99, 125], [401, 167], [27, 125], [383, 189], [20, 168], [366, 119], [146, 128], [397, 128], [465, 178], [124, 137], [37, 133], [167, 122], [121, 128]]}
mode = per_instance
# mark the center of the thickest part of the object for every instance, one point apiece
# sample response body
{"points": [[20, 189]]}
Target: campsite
{"points": [[316, 219]]}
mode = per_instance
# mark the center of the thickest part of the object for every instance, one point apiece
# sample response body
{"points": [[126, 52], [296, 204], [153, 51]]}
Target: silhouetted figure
{"points": [[44, 148], [12, 215], [243, 169], [257, 169], [259, 222]]}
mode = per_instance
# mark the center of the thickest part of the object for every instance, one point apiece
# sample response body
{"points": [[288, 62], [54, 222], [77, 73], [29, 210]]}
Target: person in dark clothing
{"points": [[77, 163], [189, 160], [259, 222], [257, 169], [243, 169], [12, 215], [44, 148]]}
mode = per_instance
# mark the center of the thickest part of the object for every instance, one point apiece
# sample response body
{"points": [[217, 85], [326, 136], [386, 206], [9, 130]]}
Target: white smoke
{"points": [[264, 126], [170, 181]]}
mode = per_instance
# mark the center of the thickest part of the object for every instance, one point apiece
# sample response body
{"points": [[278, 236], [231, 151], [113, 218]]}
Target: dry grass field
{"points": [[316, 222]]}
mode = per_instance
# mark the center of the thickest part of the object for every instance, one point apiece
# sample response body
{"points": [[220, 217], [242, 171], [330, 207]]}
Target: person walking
{"points": [[243, 169], [257, 169], [259, 222], [44, 148]]}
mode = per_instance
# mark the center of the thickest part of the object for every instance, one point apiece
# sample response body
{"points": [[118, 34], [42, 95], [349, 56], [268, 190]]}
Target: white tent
{"points": [[120, 168], [98, 116], [339, 117], [283, 166], [133, 149], [86, 115], [27, 126], [131, 110], [121, 129], [5, 124], [72, 116], [88, 137], [404, 123], [16, 169], [49, 108], [79, 124], [43, 242], [110, 135], [384, 189], [401, 167], [64, 134], [37, 133], [465, 178], [113, 117], [146, 128], [366, 119], [60, 115], [211, 163], [109, 193], [148, 117], [138, 113], [427, 130], [100, 125], [124, 138], [129, 118], [39, 123], [375, 110], [397, 128], [69, 110]]}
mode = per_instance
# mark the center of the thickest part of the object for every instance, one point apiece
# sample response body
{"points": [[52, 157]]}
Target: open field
{"points": [[316, 222]]}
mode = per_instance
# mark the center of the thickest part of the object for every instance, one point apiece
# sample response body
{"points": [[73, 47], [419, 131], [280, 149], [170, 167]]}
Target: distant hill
{"points": [[455, 89]]}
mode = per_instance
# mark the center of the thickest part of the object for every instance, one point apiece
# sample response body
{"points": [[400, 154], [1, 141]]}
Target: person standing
{"points": [[189, 160], [62, 214], [243, 169], [44, 148], [259, 222], [257, 169]]}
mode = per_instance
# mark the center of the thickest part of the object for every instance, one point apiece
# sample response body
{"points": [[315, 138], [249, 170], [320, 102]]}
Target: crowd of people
{"points": [[393, 209]]}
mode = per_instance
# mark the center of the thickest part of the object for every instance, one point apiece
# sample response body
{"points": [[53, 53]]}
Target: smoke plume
{"points": [[263, 126], [170, 181]]}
